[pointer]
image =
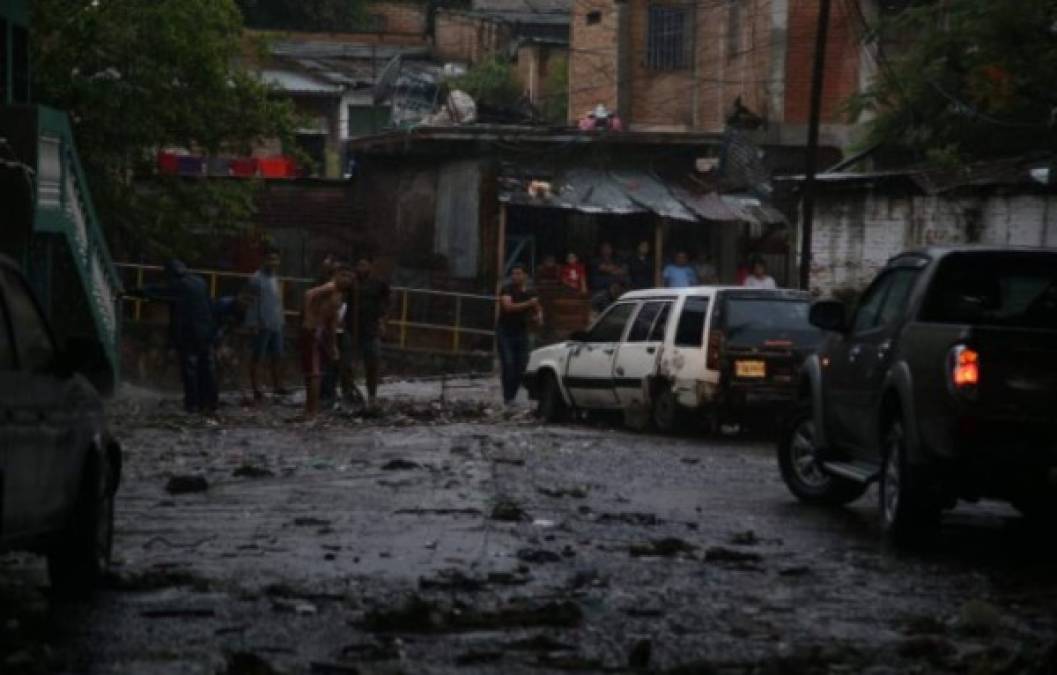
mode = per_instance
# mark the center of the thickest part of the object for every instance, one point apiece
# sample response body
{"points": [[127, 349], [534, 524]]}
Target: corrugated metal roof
{"points": [[627, 191], [651, 194], [291, 81], [708, 206]]}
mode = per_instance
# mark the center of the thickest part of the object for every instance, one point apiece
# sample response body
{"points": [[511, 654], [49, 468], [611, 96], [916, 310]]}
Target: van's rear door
{"points": [[765, 336]]}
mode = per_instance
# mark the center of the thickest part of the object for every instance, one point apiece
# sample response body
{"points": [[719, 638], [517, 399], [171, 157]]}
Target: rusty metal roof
{"points": [[628, 191]]}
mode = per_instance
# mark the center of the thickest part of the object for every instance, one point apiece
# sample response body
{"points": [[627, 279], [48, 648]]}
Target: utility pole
{"points": [[807, 214]]}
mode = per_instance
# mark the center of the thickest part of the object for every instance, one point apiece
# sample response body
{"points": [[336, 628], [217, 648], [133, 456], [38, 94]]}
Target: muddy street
{"points": [[455, 537]]}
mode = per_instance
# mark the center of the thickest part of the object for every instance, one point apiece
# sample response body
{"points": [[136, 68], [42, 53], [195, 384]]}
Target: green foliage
{"points": [[493, 82], [138, 76], [972, 79], [306, 15], [555, 104]]}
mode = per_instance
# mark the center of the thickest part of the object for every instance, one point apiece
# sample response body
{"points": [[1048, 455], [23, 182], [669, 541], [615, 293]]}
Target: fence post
{"points": [[458, 324], [213, 285], [138, 310], [403, 321]]}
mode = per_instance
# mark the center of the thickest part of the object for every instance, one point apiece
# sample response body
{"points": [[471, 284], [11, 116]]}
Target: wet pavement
{"points": [[454, 537]]}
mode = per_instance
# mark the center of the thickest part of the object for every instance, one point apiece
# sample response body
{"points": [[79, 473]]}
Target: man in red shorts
{"points": [[319, 335]]}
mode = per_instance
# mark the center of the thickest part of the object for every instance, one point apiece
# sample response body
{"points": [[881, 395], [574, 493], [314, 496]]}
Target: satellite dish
{"points": [[386, 82]]}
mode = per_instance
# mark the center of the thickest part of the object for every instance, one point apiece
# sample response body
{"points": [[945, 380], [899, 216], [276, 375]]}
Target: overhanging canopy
{"points": [[627, 191]]}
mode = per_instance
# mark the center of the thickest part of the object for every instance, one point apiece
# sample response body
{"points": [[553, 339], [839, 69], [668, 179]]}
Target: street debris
{"points": [[666, 547], [179, 485], [509, 511]]}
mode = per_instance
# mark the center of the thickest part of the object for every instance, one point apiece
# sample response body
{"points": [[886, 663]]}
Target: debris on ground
{"points": [[641, 652], [508, 511], [417, 615], [399, 465], [248, 663], [722, 554], [666, 547], [252, 471], [537, 555], [629, 518], [179, 485]]}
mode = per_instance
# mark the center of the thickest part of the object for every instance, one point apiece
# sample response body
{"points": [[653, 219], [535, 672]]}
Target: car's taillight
{"points": [[715, 346], [964, 366]]}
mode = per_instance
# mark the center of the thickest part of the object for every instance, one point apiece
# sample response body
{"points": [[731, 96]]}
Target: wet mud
{"points": [[456, 537]]}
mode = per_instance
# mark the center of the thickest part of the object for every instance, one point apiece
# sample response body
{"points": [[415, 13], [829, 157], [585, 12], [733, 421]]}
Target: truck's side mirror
{"points": [[829, 315]]}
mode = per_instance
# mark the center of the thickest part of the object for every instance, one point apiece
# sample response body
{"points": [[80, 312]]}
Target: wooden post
{"points": [[139, 284], [458, 324], [500, 258], [403, 321], [658, 251], [807, 204], [500, 266]]}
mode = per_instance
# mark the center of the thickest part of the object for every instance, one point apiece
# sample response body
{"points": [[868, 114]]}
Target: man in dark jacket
{"points": [[192, 330]]}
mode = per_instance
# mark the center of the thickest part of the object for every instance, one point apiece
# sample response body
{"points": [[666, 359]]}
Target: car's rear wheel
{"points": [[802, 470], [81, 555], [666, 413], [907, 511], [551, 407]]}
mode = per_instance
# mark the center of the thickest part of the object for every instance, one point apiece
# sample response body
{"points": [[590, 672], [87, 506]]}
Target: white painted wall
{"points": [[856, 231]]}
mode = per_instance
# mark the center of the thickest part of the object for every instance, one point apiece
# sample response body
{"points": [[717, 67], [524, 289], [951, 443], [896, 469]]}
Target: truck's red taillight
{"points": [[965, 368], [715, 346]]}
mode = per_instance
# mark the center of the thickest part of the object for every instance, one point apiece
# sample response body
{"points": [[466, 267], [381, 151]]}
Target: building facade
{"points": [[686, 66]]}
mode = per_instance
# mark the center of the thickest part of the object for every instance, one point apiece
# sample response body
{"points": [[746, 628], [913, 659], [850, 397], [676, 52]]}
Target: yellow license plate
{"points": [[750, 368]]}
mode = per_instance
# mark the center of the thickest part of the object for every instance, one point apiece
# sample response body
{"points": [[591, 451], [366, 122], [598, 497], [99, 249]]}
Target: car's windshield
{"points": [[1018, 290], [754, 321]]}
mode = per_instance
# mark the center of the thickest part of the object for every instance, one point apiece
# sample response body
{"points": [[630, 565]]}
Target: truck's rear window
{"points": [[1018, 290], [753, 321]]}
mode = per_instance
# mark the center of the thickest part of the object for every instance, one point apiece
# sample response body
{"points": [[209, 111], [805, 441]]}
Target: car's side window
{"points": [[7, 348], [898, 294], [870, 304], [691, 328], [660, 324], [610, 327], [642, 326], [36, 352]]}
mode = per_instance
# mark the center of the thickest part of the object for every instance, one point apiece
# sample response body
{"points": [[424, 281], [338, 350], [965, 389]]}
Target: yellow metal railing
{"points": [[418, 326]]}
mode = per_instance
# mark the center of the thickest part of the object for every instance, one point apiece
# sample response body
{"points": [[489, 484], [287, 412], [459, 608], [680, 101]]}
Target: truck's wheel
{"points": [[666, 413], [907, 512], [802, 471], [551, 407], [81, 554]]}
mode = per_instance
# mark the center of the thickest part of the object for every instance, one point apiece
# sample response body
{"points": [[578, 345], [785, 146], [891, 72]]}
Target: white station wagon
{"points": [[661, 353]]}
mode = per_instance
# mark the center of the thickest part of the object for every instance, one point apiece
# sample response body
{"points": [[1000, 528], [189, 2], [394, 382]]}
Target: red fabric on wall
{"points": [[168, 163]]}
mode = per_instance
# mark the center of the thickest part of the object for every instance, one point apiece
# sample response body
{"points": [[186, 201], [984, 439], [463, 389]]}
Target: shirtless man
{"points": [[319, 335]]}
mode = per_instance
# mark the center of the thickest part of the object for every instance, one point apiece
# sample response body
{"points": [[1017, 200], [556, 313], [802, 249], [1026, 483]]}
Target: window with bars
{"points": [[669, 37]]}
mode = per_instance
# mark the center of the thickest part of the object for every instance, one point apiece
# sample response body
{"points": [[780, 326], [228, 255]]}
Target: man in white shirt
{"points": [[759, 278]]}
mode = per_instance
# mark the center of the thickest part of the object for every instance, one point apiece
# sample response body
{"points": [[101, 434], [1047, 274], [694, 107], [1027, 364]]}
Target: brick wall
{"points": [[857, 231], [593, 56], [458, 37], [400, 17], [843, 54], [738, 53]]}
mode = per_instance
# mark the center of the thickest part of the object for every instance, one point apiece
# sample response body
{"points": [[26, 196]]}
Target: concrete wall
{"points": [[856, 232]]}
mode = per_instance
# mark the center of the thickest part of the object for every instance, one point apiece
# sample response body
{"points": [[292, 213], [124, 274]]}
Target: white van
{"points": [[660, 353]]}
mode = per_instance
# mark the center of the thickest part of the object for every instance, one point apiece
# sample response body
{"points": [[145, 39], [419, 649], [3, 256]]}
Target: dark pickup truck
{"points": [[941, 385]]}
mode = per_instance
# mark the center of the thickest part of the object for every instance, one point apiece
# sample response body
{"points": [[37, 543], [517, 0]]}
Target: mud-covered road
{"points": [[458, 539]]}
